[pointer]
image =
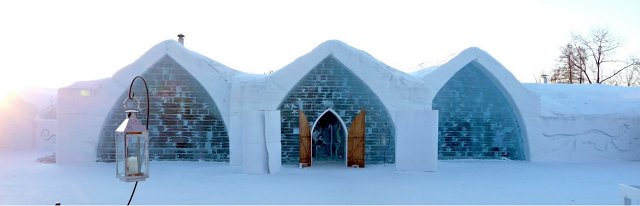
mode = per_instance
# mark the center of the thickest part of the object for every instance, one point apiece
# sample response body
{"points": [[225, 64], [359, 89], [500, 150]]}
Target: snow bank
{"points": [[27, 182]]}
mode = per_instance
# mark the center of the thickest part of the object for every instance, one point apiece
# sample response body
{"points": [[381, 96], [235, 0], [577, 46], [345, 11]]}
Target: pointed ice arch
{"points": [[391, 90], [213, 76], [185, 122], [337, 132], [331, 85], [334, 114], [525, 104], [476, 121]]}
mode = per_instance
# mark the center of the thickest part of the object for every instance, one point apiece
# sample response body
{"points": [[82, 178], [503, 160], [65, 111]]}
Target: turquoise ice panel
{"points": [[476, 121], [185, 123]]}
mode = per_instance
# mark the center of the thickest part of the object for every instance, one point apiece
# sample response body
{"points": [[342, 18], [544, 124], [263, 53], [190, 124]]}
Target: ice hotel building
{"points": [[339, 104]]}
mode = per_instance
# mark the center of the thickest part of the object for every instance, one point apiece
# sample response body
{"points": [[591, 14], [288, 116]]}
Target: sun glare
{"points": [[3, 95], [4, 92]]}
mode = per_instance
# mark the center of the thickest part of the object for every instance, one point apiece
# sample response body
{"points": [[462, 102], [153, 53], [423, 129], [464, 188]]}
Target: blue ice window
{"points": [[476, 121]]}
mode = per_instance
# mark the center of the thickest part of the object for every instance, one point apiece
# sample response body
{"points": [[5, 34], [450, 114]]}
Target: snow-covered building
{"points": [[333, 104]]}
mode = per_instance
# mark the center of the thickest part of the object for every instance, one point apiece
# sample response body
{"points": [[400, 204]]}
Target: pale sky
{"points": [[55, 43]]}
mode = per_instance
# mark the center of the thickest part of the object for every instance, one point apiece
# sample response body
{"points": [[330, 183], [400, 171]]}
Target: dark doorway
{"points": [[328, 139]]}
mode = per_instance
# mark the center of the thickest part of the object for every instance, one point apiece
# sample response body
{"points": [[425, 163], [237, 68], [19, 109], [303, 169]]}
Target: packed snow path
{"points": [[23, 180]]}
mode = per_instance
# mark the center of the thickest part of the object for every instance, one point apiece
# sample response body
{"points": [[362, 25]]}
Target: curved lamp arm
{"points": [[132, 96]]}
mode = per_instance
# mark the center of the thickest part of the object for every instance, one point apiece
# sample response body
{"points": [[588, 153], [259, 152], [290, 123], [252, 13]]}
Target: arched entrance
{"points": [[332, 85], [330, 145], [329, 138]]}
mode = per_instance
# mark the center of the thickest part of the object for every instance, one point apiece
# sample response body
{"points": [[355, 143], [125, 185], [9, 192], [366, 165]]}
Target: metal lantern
{"points": [[132, 149], [132, 145]]}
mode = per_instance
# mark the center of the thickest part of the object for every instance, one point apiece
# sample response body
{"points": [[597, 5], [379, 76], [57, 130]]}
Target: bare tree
{"points": [[629, 77], [572, 65], [567, 70], [582, 60]]}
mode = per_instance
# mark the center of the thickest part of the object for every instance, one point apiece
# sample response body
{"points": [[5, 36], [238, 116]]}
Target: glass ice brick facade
{"points": [[476, 121], [331, 85], [185, 123]]}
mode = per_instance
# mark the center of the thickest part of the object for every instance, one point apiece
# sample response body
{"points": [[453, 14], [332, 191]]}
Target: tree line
{"points": [[590, 59]]}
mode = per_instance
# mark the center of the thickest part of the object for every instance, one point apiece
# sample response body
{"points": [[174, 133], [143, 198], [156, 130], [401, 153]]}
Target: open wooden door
{"points": [[305, 140], [355, 145]]}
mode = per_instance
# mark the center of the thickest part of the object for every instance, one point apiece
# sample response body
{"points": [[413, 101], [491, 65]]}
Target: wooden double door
{"points": [[355, 141]]}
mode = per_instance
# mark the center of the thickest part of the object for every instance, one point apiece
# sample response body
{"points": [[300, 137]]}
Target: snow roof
{"points": [[342, 51], [590, 100], [389, 84], [41, 98], [215, 77], [427, 67], [437, 73], [90, 84], [556, 100], [192, 61]]}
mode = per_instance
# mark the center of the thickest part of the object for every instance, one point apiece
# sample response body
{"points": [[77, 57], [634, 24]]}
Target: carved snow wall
{"points": [[331, 85], [476, 121], [185, 123], [588, 139]]}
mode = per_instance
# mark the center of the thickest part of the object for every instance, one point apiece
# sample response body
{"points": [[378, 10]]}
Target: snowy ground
{"points": [[23, 180]]}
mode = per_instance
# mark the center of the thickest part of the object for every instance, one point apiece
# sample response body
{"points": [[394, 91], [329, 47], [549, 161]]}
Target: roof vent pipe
{"points": [[544, 78], [181, 39]]}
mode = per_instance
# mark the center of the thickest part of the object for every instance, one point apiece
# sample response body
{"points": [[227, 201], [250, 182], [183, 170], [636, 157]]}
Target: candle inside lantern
{"points": [[132, 165]]}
